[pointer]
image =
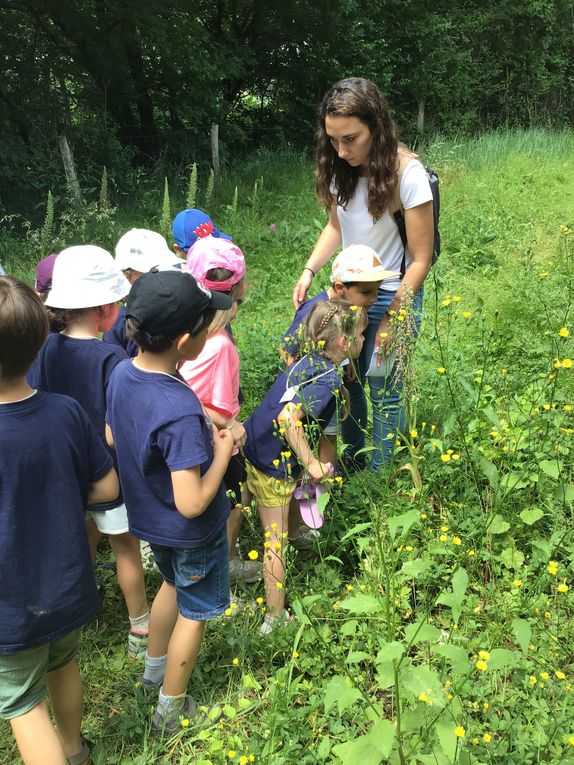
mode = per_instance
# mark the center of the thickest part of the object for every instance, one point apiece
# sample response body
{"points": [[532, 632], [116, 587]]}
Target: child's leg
{"points": [[275, 523], [93, 535], [182, 654], [66, 696], [37, 740], [163, 617], [130, 572], [233, 527]]}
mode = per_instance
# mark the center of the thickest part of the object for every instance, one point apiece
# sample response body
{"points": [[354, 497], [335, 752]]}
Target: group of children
{"points": [[154, 403]]}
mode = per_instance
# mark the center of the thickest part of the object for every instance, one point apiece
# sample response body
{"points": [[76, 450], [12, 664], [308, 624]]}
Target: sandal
{"points": [[82, 757]]}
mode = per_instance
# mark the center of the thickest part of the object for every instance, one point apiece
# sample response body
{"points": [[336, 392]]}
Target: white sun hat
{"points": [[359, 263], [143, 250], [85, 276]]}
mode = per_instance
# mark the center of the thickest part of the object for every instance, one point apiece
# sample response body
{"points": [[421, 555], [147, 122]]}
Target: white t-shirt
{"points": [[358, 227]]}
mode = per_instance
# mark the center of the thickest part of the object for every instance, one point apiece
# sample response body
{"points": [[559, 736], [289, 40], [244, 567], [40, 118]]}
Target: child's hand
{"points": [[319, 470], [223, 443], [239, 435]]}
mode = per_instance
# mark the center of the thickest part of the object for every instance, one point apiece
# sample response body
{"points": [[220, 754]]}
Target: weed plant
{"points": [[434, 625]]}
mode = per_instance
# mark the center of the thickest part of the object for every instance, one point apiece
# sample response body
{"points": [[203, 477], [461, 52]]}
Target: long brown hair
{"points": [[357, 97]]}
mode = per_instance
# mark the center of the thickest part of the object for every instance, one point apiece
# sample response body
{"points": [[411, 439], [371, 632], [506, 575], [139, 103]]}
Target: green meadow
{"points": [[434, 621]]}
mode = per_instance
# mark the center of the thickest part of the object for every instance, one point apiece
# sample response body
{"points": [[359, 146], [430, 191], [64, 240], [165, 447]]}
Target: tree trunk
{"points": [[421, 117], [70, 170], [215, 148]]}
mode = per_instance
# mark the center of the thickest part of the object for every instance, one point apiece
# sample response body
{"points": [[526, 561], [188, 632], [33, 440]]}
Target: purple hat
{"points": [[190, 225], [44, 270]]}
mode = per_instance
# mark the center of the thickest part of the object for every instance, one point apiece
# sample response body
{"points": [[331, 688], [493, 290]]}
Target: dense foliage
{"points": [[434, 623], [133, 81]]}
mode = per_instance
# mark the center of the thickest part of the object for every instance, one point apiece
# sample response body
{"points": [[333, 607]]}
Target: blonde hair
{"points": [[329, 320], [222, 318]]}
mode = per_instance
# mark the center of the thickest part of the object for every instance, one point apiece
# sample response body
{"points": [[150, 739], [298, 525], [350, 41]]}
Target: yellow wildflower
{"points": [[517, 583], [563, 587], [443, 538], [482, 666], [235, 661], [252, 554], [560, 675], [423, 697], [552, 567], [185, 722], [445, 457], [441, 370], [484, 655], [459, 731], [487, 738], [564, 332], [544, 675], [533, 680], [456, 540], [446, 302], [567, 363]]}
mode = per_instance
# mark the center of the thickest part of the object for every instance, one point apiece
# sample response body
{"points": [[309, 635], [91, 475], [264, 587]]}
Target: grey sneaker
{"points": [[306, 539], [148, 686], [246, 571], [166, 726]]}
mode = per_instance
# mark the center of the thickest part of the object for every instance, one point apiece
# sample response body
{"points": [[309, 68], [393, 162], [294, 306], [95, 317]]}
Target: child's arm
{"points": [[110, 437], [193, 492], [295, 437], [104, 490], [223, 422]]}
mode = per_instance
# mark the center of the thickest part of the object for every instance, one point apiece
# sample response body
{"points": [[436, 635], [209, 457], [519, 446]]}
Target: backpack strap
{"points": [[404, 156]]}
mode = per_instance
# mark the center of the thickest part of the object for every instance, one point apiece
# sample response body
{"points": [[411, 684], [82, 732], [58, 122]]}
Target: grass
{"points": [[408, 586]]}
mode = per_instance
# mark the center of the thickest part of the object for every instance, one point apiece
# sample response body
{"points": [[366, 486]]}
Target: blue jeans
{"points": [[385, 392]]}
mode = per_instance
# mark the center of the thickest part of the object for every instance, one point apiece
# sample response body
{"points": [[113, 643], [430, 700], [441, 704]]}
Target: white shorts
{"points": [[111, 521]]}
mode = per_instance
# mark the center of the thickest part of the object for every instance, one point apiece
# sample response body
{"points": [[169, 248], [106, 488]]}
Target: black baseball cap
{"points": [[169, 301]]}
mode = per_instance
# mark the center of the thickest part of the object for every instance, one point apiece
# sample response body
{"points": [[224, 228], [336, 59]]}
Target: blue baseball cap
{"points": [[190, 225]]}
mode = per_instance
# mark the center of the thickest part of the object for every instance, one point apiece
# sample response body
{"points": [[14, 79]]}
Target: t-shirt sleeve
{"points": [[182, 442], [99, 460], [317, 396], [415, 188]]}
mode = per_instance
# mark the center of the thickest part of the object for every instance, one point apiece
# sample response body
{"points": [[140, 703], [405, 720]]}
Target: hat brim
{"points": [[75, 296], [220, 301]]}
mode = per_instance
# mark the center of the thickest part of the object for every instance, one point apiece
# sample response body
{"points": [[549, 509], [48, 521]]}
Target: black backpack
{"points": [[398, 213]]}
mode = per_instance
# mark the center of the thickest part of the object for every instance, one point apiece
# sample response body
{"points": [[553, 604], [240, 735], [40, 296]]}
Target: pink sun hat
{"points": [[211, 252]]}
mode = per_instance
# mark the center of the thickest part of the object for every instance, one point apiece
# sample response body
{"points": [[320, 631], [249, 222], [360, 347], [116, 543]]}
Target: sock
{"points": [[140, 623], [154, 669], [170, 706]]}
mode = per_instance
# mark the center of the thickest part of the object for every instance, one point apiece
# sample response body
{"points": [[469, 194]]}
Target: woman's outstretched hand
{"points": [[302, 288]]}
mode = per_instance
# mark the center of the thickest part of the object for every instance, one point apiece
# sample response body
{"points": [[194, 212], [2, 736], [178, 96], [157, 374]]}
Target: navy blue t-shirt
{"points": [[81, 369], [49, 454], [291, 340], [318, 385], [159, 427], [117, 335]]}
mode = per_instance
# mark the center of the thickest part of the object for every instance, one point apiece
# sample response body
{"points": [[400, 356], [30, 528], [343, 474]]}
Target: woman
{"points": [[359, 161]]}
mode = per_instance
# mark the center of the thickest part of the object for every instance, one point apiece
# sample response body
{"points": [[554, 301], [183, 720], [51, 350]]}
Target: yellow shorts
{"points": [[269, 491]]}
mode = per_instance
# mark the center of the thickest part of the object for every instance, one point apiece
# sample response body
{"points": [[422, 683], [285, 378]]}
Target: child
{"points": [[86, 286], [137, 252], [51, 464], [171, 467], [43, 275], [285, 429], [189, 226], [356, 276], [214, 376]]}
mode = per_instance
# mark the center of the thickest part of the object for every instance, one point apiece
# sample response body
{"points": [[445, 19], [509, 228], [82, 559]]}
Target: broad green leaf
{"points": [[389, 653], [501, 658], [447, 738], [454, 599], [362, 603], [552, 468], [531, 514], [370, 749], [322, 503], [498, 525], [512, 558], [340, 692], [349, 628], [404, 522], [355, 657], [422, 679], [420, 632], [564, 492], [490, 470], [229, 711], [456, 656], [522, 632], [413, 568], [514, 480], [248, 681]]}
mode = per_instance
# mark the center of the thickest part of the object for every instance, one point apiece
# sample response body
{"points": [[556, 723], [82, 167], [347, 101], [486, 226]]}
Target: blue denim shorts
{"points": [[200, 576]]}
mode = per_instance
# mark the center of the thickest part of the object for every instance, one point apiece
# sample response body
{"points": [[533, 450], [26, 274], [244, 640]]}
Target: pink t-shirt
{"points": [[214, 374]]}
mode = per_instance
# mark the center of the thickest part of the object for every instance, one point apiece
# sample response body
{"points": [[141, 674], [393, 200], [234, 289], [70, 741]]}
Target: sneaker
{"points": [[306, 539], [271, 623], [246, 571], [137, 643], [149, 686], [168, 726]]}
